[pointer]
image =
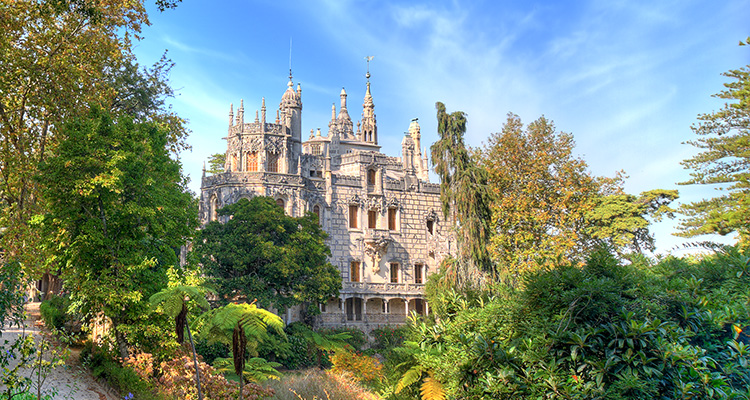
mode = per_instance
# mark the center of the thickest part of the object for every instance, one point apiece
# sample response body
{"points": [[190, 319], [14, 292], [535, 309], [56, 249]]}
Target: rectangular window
{"points": [[394, 272], [353, 211], [418, 270], [252, 161], [354, 271], [371, 177], [372, 219], [392, 219]]}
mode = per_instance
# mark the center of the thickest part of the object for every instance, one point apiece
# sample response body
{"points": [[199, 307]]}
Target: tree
{"points": [[118, 210], [620, 219], [235, 324], [724, 162], [463, 191], [59, 57], [540, 194], [216, 163], [258, 252], [174, 302]]}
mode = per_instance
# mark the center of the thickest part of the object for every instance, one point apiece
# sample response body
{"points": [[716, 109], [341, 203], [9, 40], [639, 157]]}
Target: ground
{"points": [[69, 381]]}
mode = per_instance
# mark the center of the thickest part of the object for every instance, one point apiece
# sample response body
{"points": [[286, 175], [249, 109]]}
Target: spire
{"points": [[231, 114], [256, 117], [241, 114], [263, 111], [333, 112], [369, 123], [278, 119], [343, 100]]}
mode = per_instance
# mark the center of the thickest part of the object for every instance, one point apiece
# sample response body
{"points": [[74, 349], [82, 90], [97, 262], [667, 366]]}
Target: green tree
{"points": [[463, 192], [724, 162], [620, 220], [118, 210], [258, 252], [540, 192], [242, 326], [216, 163]]}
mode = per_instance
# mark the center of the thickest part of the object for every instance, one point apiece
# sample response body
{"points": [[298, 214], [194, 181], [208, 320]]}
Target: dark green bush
{"points": [[103, 364], [211, 351], [54, 311]]}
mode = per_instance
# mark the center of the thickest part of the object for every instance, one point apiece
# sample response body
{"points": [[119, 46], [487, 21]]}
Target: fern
{"points": [[413, 375], [432, 389]]}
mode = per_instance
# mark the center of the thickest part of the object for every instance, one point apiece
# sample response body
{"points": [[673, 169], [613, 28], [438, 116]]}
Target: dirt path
{"points": [[69, 381]]}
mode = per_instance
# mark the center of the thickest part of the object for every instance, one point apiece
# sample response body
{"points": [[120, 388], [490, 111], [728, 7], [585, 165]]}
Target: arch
{"points": [[280, 202], [213, 207], [317, 212]]}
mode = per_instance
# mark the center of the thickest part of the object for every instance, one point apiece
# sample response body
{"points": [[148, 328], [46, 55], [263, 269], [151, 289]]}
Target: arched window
{"points": [[280, 203], [272, 162], [213, 206], [316, 211], [252, 161]]}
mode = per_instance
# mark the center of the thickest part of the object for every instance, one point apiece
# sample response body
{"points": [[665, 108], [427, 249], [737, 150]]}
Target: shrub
{"points": [[122, 378], [360, 367], [314, 384], [54, 311], [387, 337]]}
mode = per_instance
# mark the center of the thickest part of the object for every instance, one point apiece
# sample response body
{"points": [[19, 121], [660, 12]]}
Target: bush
{"points": [[314, 384], [211, 351], [386, 338], [54, 311], [360, 367], [124, 379]]}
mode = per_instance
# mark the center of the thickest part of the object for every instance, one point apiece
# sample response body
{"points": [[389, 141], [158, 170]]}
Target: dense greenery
{"points": [[607, 330], [258, 252], [724, 162]]}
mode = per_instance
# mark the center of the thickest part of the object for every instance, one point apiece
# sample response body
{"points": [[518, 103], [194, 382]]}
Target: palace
{"points": [[386, 230]]}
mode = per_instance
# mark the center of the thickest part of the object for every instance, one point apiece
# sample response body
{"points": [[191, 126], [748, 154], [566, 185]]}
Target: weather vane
{"points": [[368, 58]]}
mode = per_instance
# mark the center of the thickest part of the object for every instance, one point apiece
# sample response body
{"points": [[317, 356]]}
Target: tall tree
{"points": [[463, 191], [118, 208], [541, 193], [724, 162], [621, 220], [258, 252]]}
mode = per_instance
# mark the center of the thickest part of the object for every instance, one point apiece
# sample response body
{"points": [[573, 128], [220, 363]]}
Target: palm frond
{"points": [[413, 375], [432, 389]]}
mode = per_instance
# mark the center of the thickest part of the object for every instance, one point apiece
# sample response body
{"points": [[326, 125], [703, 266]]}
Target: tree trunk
{"points": [[180, 324], [122, 343], [195, 361]]}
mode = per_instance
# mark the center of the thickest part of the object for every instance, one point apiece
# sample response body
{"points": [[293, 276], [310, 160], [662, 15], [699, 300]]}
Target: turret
{"points": [[369, 130]]}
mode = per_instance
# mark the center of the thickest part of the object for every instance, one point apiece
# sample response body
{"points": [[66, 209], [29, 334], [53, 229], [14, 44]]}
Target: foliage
{"points": [[388, 337], [674, 330], [620, 219], [176, 302], [316, 346], [258, 252], [540, 191], [256, 369], [243, 326], [360, 367], [55, 61], [211, 351], [177, 380], [216, 163], [106, 365], [118, 207], [463, 192], [54, 311], [724, 162]]}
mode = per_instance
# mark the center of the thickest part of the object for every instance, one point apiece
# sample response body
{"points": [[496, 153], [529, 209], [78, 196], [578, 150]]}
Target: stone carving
{"points": [[274, 144], [376, 248]]}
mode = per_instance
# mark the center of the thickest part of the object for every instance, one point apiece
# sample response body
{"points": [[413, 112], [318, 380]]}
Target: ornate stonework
{"points": [[379, 211]]}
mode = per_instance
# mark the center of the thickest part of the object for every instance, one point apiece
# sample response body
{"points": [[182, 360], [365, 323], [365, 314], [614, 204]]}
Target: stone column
{"points": [[364, 309]]}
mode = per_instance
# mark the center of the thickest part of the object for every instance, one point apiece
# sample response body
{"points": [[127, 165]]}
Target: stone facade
{"points": [[386, 231]]}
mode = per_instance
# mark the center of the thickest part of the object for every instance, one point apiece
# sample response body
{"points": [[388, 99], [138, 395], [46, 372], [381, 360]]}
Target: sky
{"points": [[626, 78]]}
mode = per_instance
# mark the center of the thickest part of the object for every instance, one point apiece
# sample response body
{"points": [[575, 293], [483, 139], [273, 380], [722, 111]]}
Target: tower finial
{"points": [[290, 62], [368, 58]]}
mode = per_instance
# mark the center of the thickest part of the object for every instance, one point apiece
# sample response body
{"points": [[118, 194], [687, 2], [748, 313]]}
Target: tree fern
{"points": [[413, 375]]}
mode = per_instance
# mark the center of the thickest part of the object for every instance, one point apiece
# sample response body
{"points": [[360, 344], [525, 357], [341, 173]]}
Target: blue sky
{"points": [[626, 78]]}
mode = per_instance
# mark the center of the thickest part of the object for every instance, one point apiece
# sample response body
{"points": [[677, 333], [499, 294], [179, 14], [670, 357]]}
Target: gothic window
{"points": [[316, 211], [394, 272], [353, 212], [252, 161], [354, 271], [372, 219], [392, 219], [234, 162], [371, 177], [418, 271], [272, 160], [431, 226], [280, 203]]}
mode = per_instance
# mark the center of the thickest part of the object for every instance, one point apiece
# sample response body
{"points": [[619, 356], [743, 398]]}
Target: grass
{"points": [[314, 384]]}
